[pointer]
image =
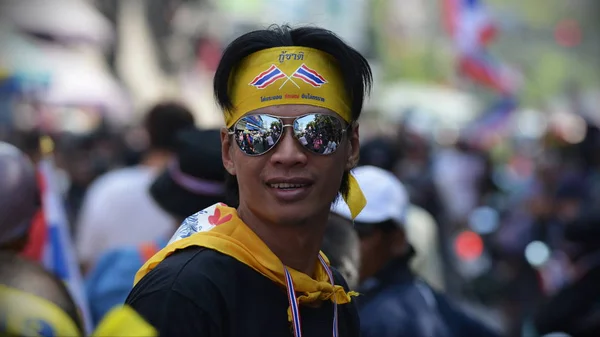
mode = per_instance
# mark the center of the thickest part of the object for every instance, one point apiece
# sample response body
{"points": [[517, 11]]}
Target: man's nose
{"points": [[288, 151]]}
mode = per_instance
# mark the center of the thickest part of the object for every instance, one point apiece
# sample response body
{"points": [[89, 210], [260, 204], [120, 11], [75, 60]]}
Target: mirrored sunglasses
{"points": [[256, 134]]}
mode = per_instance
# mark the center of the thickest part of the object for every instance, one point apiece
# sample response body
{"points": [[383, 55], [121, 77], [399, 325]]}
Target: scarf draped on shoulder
{"points": [[220, 228]]}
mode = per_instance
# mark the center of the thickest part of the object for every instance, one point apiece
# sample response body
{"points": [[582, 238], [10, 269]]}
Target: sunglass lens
{"points": [[257, 134], [318, 133]]}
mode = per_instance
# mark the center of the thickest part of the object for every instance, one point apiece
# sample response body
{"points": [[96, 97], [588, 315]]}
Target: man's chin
{"points": [[293, 214]]}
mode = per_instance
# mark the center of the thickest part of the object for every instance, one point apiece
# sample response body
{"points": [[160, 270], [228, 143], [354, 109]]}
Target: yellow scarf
{"points": [[220, 228]]}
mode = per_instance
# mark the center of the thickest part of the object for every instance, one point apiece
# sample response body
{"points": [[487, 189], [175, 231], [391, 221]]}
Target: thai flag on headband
{"points": [[58, 253], [268, 77], [309, 76]]}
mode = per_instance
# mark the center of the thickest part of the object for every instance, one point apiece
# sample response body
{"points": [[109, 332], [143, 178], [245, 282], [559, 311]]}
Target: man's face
{"points": [[262, 179], [377, 247], [373, 253]]}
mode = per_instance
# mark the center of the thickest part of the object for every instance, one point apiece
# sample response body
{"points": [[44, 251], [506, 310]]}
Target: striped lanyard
{"points": [[294, 301]]}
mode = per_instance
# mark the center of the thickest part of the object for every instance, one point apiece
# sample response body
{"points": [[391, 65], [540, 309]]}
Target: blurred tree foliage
{"points": [[405, 57], [526, 41]]}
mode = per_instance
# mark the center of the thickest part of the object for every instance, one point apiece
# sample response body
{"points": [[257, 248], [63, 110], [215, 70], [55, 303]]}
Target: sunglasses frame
{"points": [[232, 131]]}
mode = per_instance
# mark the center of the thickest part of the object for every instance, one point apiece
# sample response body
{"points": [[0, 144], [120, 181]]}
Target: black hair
{"points": [[381, 152], [163, 121], [364, 229], [27, 276], [355, 69]]}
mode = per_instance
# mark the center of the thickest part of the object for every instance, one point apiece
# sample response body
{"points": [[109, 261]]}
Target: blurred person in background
{"points": [[23, 276], [416, 171], [118, 210], [342, 247], [590, 153], [225, 272], [76, 155], [458, 172], [33, 302], [393, 301], [195, 179], [575, 307], [380, 152], [19, 198], [29, 143], [421, 227], [422, 233], [85, 157]]}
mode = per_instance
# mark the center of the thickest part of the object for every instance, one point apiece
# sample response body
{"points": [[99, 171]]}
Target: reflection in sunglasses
{"points": [[319, 133]]}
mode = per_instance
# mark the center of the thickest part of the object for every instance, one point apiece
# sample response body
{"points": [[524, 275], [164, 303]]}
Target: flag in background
{"points": [[469, 24], [58, 253], [489, 129], [472, 29], [485, 70]]}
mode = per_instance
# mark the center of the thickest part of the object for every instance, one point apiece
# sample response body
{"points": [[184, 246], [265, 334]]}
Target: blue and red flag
{"points": [[485, 70], [58, 253], [309, 76], [472, 29], [268, 77], [469, 24]]}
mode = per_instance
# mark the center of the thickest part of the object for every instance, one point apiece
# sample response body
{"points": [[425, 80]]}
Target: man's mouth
{"points": [[287, 186]]}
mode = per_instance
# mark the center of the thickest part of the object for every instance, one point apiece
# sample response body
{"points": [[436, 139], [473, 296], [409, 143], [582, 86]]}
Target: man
{"points": [[257, 270], [195, 179], [421, 228], [394, 302], [19, 198], [33, 302], [117, 210]]}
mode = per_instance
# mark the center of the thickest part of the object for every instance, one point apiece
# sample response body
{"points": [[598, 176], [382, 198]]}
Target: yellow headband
{"points": [[287, 75], [292, 75]]}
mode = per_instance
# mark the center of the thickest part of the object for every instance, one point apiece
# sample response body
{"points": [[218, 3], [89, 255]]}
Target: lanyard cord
{"points": [[294, 301]]}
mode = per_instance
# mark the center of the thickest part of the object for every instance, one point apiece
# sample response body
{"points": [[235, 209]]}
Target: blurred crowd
{"points": [[515, 242], [509, 229]]}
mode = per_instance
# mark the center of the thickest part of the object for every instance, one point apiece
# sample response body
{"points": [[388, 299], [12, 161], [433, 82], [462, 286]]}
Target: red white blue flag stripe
{"points": [[294, 301], [58, 252], [268, 77], [309, 76]]}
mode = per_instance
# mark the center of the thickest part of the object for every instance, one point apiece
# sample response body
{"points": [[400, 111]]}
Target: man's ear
{"points": [[226, 151], [354, 148]]}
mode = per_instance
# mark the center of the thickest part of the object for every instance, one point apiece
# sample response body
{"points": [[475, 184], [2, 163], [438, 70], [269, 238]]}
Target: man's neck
{"points": [[296, 245]]}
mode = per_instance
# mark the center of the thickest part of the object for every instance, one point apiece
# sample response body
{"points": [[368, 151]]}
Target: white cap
{"points": [[386, 197]]}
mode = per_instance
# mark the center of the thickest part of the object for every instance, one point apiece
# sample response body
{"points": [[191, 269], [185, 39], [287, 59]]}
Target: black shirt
{"points": [[202, 293]]}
